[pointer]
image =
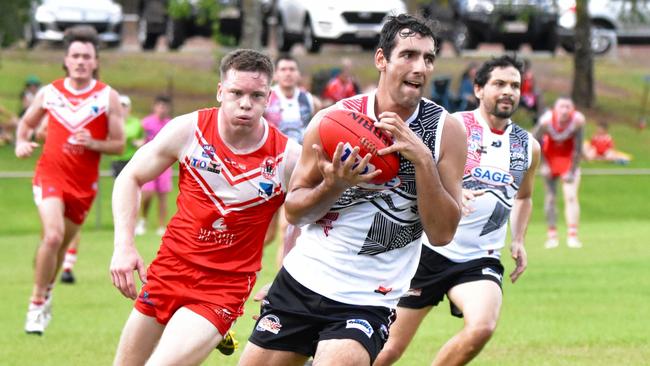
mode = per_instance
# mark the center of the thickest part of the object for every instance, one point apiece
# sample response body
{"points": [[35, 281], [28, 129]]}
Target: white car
{"points": [[48, 20], [617, 16], [315, 22]]}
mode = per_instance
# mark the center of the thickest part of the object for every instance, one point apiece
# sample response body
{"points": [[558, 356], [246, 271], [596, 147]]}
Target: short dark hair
{"points": [[162, 99], [246, 60], [81, 33], [285, 57], [485, 70], [403, 25]]}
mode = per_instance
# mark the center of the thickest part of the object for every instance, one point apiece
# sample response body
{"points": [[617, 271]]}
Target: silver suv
{"points": [[510, 22], [630, 24]]}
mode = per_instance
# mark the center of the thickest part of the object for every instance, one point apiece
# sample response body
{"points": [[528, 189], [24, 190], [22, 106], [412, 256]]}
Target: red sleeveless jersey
{"points": [[226, 199], [558, 145], [71, 165]]}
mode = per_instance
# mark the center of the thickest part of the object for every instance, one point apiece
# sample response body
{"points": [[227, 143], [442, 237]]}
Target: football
{"points": [[357, 129]]}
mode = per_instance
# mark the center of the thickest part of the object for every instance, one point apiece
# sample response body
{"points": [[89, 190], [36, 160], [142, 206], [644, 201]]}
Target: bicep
{"points": [[453, 153], [115, 117]]}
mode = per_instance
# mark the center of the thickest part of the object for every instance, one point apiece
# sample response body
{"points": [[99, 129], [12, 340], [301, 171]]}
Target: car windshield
{"points": [[68, 2]]}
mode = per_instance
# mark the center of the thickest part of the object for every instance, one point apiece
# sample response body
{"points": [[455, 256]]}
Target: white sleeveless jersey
{"points": [[365, 250], [497, 163]]}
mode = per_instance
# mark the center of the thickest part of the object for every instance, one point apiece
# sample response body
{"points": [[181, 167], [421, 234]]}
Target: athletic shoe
{"points": [[228, 344], [141, 227], [160, 231], [573, 242], [68, 277], [37, 319], [551, 243]]}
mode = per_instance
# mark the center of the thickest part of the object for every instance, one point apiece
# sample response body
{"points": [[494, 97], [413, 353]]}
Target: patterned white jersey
{"points": [[365, 250], [496, 162]]}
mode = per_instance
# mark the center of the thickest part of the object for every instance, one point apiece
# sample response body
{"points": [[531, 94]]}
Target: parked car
{"points": [[155, 21], [510, 22], [629, 23], [48, 20], [316, 22]]}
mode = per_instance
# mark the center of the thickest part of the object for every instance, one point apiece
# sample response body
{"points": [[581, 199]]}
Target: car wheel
{"points": [[600, 43], [30, 35], [312, 44], [146, 38], [464, 39], [282, 40], [175, 33]]}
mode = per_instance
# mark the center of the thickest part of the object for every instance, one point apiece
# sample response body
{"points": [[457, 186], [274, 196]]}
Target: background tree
{"points": [[13, 14], [583, 60], [252, 27]]}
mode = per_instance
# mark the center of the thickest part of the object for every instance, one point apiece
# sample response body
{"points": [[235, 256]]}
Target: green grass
{"points": [[572, 307]]}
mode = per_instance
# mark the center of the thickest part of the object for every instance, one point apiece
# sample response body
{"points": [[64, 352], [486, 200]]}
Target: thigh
{"points": [[139, 337], [406, 325], [51, 210], [479, 301], [255, 355], [341, 352], [187, 339]]}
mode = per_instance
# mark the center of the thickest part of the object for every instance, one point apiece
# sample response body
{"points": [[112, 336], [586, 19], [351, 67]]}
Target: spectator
{"points": [[162, 185], [531, 96], [342, 85], [466, 99], [601, 147], [134, 137], [32, 85]]}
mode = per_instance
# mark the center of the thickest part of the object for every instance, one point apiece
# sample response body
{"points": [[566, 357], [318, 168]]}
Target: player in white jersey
{"points": [[498, 180], [336, 294]]}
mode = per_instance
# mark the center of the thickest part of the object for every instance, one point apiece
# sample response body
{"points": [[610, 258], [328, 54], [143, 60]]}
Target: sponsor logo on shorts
{"points": [[383, 332], [360, 324], [490, 272], [224, 314], [269, 323], [413, 292], [145, 298]]}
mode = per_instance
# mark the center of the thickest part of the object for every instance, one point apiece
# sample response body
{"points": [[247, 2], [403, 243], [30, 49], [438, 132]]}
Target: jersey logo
{"points": [[327, 222], [496, 143], [270, 323], [208, 151], [361, 324], [492, 175], [266, 189], [218, 224], [383, 290], [268, 167], [210, 166]]}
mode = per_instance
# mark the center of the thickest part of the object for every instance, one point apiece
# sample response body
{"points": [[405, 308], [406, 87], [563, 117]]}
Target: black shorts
{"points": [[436, 275], [294, 318], [117, 166]]}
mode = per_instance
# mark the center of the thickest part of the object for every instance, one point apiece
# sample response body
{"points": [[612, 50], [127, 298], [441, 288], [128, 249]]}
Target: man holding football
{"points": [[335, 296]]}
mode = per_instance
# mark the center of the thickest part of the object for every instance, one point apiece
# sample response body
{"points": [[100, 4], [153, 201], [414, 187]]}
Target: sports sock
{"points": [[69, 260]]}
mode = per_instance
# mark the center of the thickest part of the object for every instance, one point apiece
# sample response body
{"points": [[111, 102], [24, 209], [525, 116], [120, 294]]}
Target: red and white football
{"points": [[357, 129]]}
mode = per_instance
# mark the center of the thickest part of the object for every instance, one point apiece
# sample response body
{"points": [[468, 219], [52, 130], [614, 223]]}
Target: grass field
{"points": [[572, 307]]}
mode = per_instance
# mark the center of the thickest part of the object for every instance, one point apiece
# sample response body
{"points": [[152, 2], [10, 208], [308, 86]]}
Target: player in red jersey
{"points": [[560, 132], [234, 172], [84, 121]]}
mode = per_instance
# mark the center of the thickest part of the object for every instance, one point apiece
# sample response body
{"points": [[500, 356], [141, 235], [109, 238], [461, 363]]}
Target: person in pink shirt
{"points": [[161, 186]]}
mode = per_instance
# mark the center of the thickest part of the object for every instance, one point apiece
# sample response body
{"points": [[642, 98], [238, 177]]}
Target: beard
{"points": [[503, 113]]}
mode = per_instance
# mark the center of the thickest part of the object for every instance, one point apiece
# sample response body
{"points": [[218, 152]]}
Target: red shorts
{"points": [[76, 206], [173, 283]]}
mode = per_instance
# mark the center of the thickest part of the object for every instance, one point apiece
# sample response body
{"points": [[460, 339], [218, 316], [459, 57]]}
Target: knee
{"points": [[53, 239], [391, 352], [480, 334]]}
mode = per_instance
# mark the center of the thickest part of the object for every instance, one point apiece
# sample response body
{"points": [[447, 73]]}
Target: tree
{"points": [[583, 62], [252, 27], [13, 15]]}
